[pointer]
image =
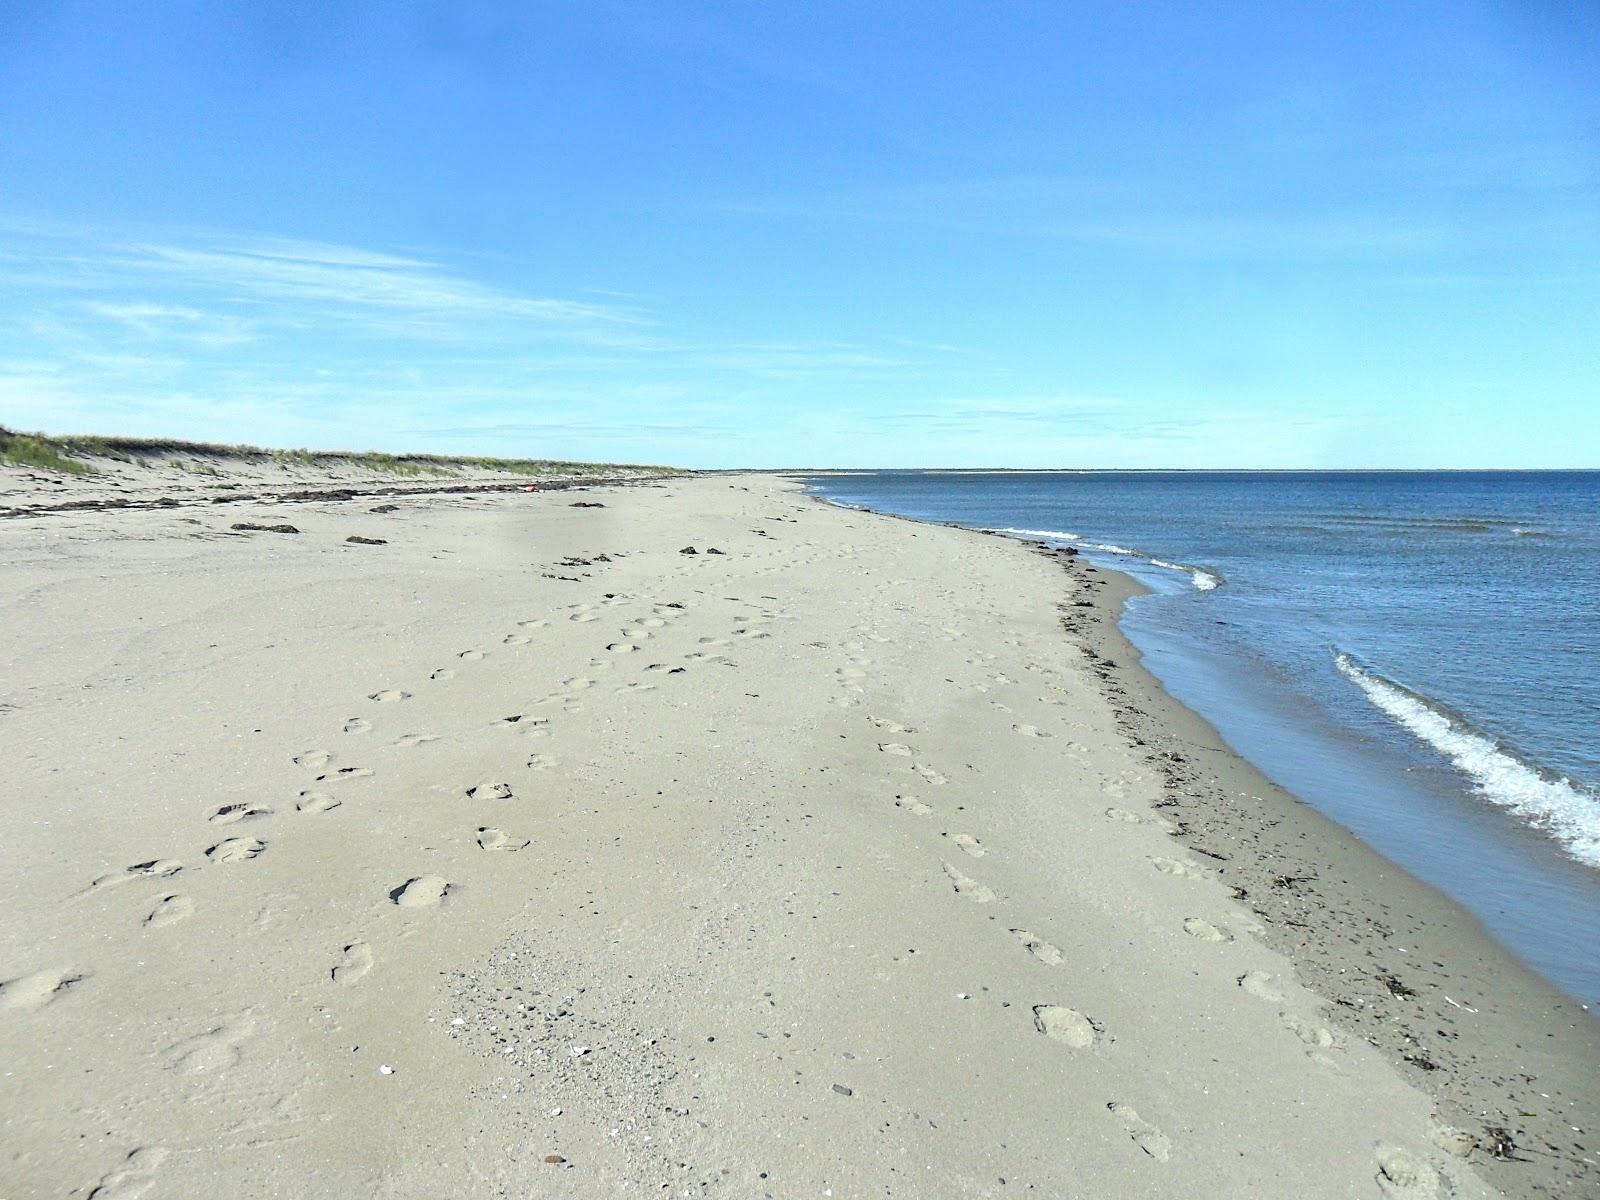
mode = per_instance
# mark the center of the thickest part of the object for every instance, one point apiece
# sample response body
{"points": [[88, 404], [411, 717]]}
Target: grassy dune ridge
{"points": [[74, 454]]}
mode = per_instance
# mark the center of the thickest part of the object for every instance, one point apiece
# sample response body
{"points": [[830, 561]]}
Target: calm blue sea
{"points": [[1415, 654]]}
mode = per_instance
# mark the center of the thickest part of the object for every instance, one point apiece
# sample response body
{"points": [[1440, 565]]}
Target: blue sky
{"points": [[1171, 234]]}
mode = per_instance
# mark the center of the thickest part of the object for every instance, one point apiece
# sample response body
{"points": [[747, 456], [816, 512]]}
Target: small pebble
{"points": [[842, 1090]]}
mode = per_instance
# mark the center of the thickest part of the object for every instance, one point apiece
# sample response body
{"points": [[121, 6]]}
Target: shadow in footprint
{"points": [[421, 891], [353, 964]]}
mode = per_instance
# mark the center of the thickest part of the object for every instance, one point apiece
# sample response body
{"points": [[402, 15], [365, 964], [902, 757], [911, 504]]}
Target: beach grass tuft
{"points": [[45, 454]]}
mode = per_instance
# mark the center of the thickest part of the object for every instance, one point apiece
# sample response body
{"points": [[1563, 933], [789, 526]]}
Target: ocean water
{"points": [[1417, 654]]}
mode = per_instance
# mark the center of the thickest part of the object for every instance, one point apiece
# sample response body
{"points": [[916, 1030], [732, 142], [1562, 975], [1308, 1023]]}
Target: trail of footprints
{"points": [[1060, 1023], [221, 1046], [218, 1048]]}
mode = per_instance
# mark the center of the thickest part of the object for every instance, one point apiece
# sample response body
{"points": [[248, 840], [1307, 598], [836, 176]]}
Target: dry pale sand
{"points": [[528, 855]]}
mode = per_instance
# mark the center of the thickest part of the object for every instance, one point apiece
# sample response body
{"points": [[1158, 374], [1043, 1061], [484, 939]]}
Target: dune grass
{"points": [[45, 454], [66, 453]]}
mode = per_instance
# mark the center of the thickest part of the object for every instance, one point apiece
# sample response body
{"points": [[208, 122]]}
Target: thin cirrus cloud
{"points": [[289, 282], [1263, 235], [255, 338]]}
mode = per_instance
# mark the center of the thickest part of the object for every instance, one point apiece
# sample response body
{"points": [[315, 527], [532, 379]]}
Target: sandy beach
{"points": [[689, 837]]}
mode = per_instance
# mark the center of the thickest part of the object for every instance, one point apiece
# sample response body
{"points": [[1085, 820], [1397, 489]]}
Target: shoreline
{"points": [[1418, 976], [695, 838], [1445, 1002]]}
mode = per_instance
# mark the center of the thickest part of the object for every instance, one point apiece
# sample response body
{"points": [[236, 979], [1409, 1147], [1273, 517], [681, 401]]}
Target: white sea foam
{"points": [[1204, 581], [1565, 811], [1057, 534]]}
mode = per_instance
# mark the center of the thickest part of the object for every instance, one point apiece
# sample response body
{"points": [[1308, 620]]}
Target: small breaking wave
{"points": [[1204, 581], [1057, 534], [1568, 812]]}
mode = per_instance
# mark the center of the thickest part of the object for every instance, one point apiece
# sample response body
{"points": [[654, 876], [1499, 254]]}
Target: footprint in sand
{"points": [[1145, 1135], [515, 639], [937, 778], [536, 623], [970, 889], [490, 791], [1032, 731], [355, 962], [541, 762], [898, 749], [1065, 1025], [891, 726], [132, 1177], [315, 802], [1122, 814], [1171, 866], [490, 838], [585, 616], [1404, 1176], [216, 1049], [621, 647], [1318, 1037], [968, 843], [422, 891], [240, 849], [230, 813], [28, 992], [913, 806], [1262, 986], [652, 623], [313, 760], [414, 739], [169, 910], [391, 695], [1038, 947], [159, 868], [442, 673], [1198, 927], [470, 655], [357, 725]]}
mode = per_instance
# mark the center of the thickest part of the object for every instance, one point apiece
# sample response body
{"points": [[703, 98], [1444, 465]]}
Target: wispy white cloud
{"points": [[309, 274], [293, 283], [175, 322], [1244, 217], [1070, 213], [248, 338]]}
